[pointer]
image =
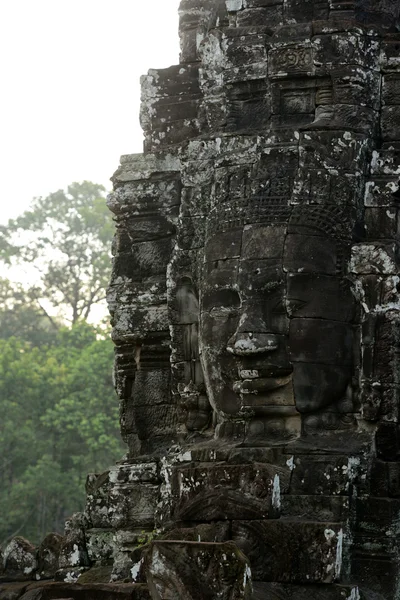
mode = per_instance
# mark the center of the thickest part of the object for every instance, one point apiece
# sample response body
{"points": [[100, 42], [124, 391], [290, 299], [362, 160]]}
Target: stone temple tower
{"points": [[255, 309], [255, 305]]}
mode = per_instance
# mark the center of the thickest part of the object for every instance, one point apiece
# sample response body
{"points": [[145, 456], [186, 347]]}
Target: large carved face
{"points": [[276, 337]]}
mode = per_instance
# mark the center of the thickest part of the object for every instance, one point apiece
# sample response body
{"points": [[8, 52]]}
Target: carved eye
{"points": [[279, 308], [224, 300], [294, 305]]}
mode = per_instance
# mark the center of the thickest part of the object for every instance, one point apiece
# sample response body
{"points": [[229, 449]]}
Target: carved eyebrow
{"points": [[272, 285], [219, 298]]}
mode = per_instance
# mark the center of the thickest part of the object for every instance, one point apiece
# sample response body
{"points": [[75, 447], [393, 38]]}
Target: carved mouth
{"points": [[264, 371], [261, 385]]}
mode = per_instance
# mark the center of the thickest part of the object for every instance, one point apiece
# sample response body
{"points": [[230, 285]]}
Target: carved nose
{"points": [[246, 344]]}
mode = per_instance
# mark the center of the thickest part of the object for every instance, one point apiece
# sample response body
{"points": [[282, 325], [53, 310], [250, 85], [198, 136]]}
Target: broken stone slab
{"points": [[48, 556], [135, 167], [124, 497], [291, 551], [12, 590], [20, 559], [197, 570], [92, 591]]}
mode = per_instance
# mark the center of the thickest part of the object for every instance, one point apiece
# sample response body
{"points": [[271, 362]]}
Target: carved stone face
{"points": [[276, 337]]}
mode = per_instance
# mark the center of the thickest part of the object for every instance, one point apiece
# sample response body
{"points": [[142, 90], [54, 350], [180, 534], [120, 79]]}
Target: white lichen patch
{"points": [[71, 577], [136, 569], [371, 258], [329, 535], [234, 5], [74, 557], [276, 493], [290, 463], [246, 576], [339, 554], [354, 594]]}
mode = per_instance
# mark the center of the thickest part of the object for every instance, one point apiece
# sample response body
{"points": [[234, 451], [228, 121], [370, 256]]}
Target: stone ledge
{"points": [[73, 591]]}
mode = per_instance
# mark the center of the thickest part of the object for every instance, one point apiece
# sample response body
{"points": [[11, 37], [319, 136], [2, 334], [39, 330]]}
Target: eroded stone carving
{"points": [[256, 312], [278, 295]]}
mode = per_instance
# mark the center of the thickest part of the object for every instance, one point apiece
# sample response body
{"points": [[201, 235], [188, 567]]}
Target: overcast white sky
{"points": [[69, 100]]}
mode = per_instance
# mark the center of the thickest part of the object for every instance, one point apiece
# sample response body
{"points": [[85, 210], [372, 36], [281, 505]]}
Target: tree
{"points": [[23, 316], [66, 237], [59, 421]]}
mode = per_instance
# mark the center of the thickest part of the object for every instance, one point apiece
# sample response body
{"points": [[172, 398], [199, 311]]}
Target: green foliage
{"points": [[22, 316], [59, 422], [66, 237], [59, 412]]}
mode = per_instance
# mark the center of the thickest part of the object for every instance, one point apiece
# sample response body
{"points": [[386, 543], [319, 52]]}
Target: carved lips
{"points": [[260, 385]]}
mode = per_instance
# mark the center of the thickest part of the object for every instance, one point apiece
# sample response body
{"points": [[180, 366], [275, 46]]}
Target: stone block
{"points": [[390, 123], [388, 441], [100, 546], [377, 575], [304, 332], [290, 551], [316, 254], [19, 559], [48, 554], [379, 193], [133, 505], [377, 516], [272, 591], [292, 59], [391, 90], [264, 16], [324, 475], [197, 570], [88, 591], [220, 492], [318, 508], [381, 223]]}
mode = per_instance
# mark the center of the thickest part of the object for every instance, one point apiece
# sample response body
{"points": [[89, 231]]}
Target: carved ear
{"points": [[187, 302], [187, 319]]}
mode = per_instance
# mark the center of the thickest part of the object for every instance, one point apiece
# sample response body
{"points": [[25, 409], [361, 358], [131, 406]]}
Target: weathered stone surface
{"points": [[65, 591], [197, 570], [48, 555], [12, 591], [274, 591], [73, 551], [255, 303], [19, 559], [259, 327], [218, 492], [291, 551]]}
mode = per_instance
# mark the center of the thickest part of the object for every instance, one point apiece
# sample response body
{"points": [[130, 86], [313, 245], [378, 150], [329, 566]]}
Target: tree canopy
{"points": [[59, 410], [59, 422], [66, 238]]}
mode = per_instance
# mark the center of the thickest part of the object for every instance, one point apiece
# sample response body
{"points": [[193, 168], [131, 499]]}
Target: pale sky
{"points": [[70, 95]]}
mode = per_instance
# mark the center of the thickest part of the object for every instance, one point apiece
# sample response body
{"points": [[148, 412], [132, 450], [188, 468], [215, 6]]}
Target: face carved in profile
{"points": [[276, 333]]}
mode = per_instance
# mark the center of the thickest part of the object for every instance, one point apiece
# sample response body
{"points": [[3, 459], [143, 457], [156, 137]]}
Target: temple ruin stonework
{"points": [[255, 302]]}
